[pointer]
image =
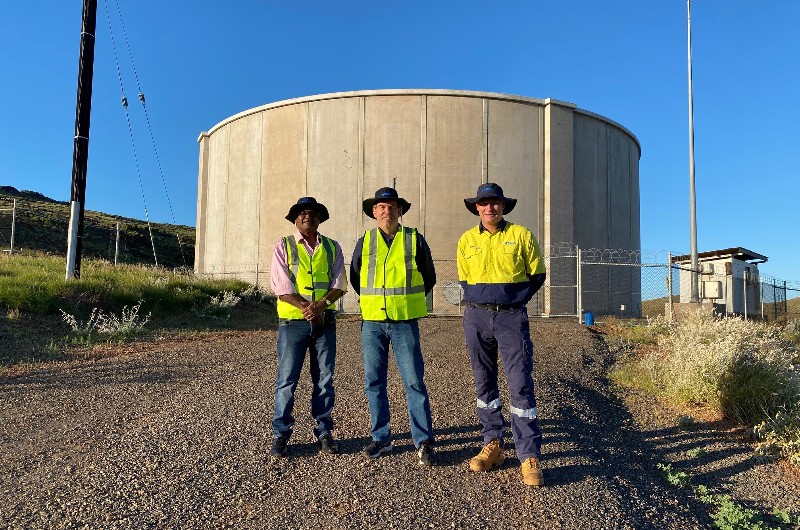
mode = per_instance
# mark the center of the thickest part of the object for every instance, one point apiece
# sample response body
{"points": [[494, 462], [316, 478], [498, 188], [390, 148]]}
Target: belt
{"points": [[497, 307], [328, 316]]}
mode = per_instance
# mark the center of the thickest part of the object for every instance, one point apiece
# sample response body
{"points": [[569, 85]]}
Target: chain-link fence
{"points": [[744, 292], [42, 226], [605, 282]]}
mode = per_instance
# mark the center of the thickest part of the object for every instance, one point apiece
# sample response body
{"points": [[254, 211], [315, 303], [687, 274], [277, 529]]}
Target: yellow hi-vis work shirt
{"points": [[497, 268], [391, 285], [311, 275]]}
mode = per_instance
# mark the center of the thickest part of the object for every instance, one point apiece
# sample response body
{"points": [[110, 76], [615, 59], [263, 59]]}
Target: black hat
{"points": [[383, 195], [487, 191], [307, 203]]}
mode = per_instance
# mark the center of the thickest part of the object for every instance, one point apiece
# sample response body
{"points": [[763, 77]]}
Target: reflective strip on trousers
{"points": [[494, 404], [531, 413]]}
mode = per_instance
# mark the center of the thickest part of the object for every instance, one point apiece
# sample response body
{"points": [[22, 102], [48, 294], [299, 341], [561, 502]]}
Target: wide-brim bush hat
{"points": [[490, 190], [383, 195], [307, 203]]}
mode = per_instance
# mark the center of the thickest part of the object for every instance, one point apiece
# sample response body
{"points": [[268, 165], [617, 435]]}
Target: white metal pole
{"points": [[72, 238], [116, 247], [692, 202]]}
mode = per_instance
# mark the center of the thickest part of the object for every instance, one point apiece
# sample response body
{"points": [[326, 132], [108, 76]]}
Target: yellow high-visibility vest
{"points": [[312, 276], [391, 285]]}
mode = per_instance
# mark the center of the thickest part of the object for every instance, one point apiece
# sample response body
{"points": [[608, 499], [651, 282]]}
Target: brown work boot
{"points": [[532, 472], [491, 456]]}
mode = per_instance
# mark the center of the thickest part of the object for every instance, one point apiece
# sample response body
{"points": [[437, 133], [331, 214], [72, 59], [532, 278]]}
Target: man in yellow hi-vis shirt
{"points": [[392, 271], [500, 268]]}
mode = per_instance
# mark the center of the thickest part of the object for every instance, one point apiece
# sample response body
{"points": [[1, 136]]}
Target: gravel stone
{"points": [[176, 434]]}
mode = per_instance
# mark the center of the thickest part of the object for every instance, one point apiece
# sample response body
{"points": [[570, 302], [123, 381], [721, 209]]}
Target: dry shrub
{"points": [[743, 369]]}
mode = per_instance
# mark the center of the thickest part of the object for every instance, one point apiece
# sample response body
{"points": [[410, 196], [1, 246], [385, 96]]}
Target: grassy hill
{"points": [[42, 224]]}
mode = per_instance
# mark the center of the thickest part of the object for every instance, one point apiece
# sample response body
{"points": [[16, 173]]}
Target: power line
{"points": [[130, 132]]}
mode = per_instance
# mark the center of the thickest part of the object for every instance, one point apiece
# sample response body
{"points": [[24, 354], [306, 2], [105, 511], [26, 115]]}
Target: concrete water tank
{"points": [[575, 174]]}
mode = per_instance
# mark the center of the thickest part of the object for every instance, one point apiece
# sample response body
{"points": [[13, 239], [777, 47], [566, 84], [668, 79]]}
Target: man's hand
{"points": [[313, 311]]}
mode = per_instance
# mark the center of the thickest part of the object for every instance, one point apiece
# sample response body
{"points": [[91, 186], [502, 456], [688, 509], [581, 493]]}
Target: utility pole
{"points": [[692, 209], [80, 152]]}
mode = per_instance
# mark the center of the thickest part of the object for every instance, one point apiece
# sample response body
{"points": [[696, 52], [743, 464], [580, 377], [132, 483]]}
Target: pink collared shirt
{"points": [[279, 270]]}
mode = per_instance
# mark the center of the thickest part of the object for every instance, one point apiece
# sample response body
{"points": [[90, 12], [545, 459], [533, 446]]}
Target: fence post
{"points": [[669, 287], [13, 225], [774, 300], [579, 285], [785, 301]]}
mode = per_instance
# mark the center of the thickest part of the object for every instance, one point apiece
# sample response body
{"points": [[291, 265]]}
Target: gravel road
{"points": [[175, 434]]}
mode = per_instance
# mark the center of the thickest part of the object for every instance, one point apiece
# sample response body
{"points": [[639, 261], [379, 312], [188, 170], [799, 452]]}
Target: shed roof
{"points": [[739, 253]]}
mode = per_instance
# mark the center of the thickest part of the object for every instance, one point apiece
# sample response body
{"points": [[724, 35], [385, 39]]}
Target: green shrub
{"points": [[679, 479], [779, 435]]}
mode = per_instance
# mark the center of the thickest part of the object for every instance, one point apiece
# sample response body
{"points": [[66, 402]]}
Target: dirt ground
{"points": [[175, 433]]}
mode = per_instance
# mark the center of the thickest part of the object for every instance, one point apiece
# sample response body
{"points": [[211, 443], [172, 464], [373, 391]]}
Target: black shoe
{"points": [[280, 447], [376, 449], [328, 445], [425, 453]]}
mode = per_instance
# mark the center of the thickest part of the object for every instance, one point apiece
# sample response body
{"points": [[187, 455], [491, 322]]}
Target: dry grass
{"points": [[743, 371]]}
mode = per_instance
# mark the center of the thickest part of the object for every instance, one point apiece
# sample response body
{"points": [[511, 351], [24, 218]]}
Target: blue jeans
{"points": [[404, 337], [294, 338]]}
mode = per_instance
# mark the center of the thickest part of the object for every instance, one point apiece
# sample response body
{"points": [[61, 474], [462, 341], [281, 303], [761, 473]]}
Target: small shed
{"points": [[728, 279]]}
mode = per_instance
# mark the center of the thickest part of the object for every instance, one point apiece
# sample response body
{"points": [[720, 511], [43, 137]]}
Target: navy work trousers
{"points": [[508, 332]]}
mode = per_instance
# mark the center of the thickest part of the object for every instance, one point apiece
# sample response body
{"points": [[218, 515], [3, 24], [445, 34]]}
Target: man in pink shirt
{"points": [[308, 276]]}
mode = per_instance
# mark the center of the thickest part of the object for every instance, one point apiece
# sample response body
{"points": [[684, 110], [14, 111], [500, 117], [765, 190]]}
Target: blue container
{"points": [[588, 318]]}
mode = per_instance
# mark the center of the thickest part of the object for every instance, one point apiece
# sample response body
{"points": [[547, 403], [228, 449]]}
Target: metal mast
{"points": [[692, 209], [80, 153]]}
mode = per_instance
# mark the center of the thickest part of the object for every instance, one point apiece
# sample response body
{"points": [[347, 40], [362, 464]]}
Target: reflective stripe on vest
{"points": [[312, 276], [391, 285]]}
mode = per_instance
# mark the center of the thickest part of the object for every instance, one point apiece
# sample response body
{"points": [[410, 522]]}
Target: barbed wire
{"points": [[259, 273]]}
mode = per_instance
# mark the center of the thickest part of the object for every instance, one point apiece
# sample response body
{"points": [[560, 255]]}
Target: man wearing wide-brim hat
{"points": [[500, 268], [392, 271], [308, 276]]}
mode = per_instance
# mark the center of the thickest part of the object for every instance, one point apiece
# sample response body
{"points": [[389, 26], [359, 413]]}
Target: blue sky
{"points": [[200, 62]]}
